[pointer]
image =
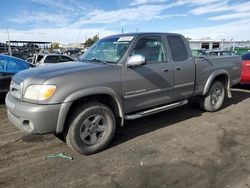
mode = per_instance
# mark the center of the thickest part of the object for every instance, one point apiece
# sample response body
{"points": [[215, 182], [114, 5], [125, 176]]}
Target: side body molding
{"points": [[212, 77], [85, 93]]}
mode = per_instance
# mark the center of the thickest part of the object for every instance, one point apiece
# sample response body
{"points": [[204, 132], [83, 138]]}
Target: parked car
{"points": [[44, 59], [221, 53], [122, 77], [8, 67], [245, 74], [72, 51], [198, 52], [75, 53]]}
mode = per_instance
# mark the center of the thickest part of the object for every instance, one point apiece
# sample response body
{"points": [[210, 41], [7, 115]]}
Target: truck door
{"points": [[184, 67], [150, 84]]}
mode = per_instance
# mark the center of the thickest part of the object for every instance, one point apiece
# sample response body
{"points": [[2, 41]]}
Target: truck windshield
{"points": [[109, 50]]}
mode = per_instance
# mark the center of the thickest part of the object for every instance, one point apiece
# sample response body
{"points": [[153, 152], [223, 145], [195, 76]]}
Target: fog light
{"points": [[28, 126]]}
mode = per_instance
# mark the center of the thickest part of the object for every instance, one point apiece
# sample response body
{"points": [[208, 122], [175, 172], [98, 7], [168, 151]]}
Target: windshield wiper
{"points": [[96, 60], [99, 60]]}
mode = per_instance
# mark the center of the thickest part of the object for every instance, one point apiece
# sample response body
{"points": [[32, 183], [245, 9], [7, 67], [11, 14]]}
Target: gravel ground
{"points": [[183, 147]]}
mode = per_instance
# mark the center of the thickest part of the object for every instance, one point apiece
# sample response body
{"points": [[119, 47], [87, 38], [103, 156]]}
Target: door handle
{"points": [[178, 68], [167, 70]]}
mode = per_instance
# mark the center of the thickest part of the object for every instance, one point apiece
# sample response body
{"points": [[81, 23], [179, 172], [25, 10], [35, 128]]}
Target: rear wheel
{"points": [[91, 128], [215, 97]]}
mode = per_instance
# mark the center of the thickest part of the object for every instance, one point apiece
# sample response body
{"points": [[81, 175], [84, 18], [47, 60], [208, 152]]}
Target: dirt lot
{"points": [[183, 147]]}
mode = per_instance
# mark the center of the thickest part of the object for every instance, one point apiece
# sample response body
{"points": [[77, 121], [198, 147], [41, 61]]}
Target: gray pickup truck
{"points": [[121, 77]]}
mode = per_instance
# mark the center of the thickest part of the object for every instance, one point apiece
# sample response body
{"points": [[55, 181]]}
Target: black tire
{"points": [[214, 99], [87, 136]]}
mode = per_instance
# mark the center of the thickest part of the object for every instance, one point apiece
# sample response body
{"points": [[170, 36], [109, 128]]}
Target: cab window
{"points": [[65, 59], [151, 48]]}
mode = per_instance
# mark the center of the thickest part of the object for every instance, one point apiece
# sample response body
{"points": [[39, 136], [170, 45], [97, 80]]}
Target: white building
{"points": [[218, 44]]}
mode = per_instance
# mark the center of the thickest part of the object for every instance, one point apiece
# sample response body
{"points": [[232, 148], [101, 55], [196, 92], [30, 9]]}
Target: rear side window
{"points": [[65, 58], [52, 59], [178, 48]]}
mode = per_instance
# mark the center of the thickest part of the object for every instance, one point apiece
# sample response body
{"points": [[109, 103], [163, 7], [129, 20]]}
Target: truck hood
{"points": [[45, 72]]}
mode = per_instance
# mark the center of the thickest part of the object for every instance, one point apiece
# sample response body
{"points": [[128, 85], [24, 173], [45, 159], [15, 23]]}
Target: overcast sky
{"points": [[74, 20]]}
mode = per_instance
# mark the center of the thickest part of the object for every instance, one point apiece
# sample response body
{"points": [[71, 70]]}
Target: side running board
{"points": [[156, 110]]}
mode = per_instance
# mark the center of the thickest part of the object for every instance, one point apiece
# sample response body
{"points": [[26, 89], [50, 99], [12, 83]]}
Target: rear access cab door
{"points": [[183, 66]]}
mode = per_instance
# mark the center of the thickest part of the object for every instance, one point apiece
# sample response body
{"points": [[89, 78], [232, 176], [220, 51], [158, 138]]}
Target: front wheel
{"points": [[215, 97], [91, 128]]}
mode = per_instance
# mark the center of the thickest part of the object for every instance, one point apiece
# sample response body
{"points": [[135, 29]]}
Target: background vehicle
{"points": [[72, 51], [241, 50], [245, 75], [75, 53], [43, 59], [3, 48], [8, 67], [122, 77], [198, 52], [221, 53]]}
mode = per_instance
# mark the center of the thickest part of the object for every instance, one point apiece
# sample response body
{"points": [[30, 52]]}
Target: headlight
{"points": [[39, 92]]}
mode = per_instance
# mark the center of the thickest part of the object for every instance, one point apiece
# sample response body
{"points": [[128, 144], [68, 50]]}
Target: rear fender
{"points": [[213, 76]]}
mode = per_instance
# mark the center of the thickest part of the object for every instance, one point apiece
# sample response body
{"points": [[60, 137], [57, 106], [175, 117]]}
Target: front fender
{"points": [[85, 93]]}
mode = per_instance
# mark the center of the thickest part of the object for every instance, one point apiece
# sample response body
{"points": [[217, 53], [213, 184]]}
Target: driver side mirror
{"points": [[135, 60]]}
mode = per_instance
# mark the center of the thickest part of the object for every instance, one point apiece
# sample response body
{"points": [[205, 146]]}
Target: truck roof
{"points": [[143, 33]]}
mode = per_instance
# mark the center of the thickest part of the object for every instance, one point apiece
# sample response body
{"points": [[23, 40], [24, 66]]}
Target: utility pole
{"points": [[234, 45], [10, 53]]}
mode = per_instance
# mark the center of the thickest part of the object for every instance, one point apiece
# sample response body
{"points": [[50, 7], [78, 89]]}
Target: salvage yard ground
{"points": [[183, 147]]}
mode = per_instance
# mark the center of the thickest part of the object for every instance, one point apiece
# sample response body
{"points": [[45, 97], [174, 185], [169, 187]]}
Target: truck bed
{"points": [[207, 65]]}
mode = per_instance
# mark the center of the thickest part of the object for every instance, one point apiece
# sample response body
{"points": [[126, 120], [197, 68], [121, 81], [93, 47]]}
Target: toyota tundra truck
{"points": [[121, 77]]}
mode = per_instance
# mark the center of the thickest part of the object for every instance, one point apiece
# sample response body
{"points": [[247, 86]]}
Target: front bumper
{"points": [[33, 118]]}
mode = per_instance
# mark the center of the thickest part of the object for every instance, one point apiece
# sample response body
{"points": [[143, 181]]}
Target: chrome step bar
{"points": [[155, 110]]}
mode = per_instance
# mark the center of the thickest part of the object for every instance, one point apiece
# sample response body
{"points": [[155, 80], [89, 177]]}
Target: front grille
{"points": [[15, 89]]}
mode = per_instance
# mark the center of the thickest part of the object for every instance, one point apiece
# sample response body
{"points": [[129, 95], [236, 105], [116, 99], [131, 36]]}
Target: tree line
{"points": [[89, 42]]}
